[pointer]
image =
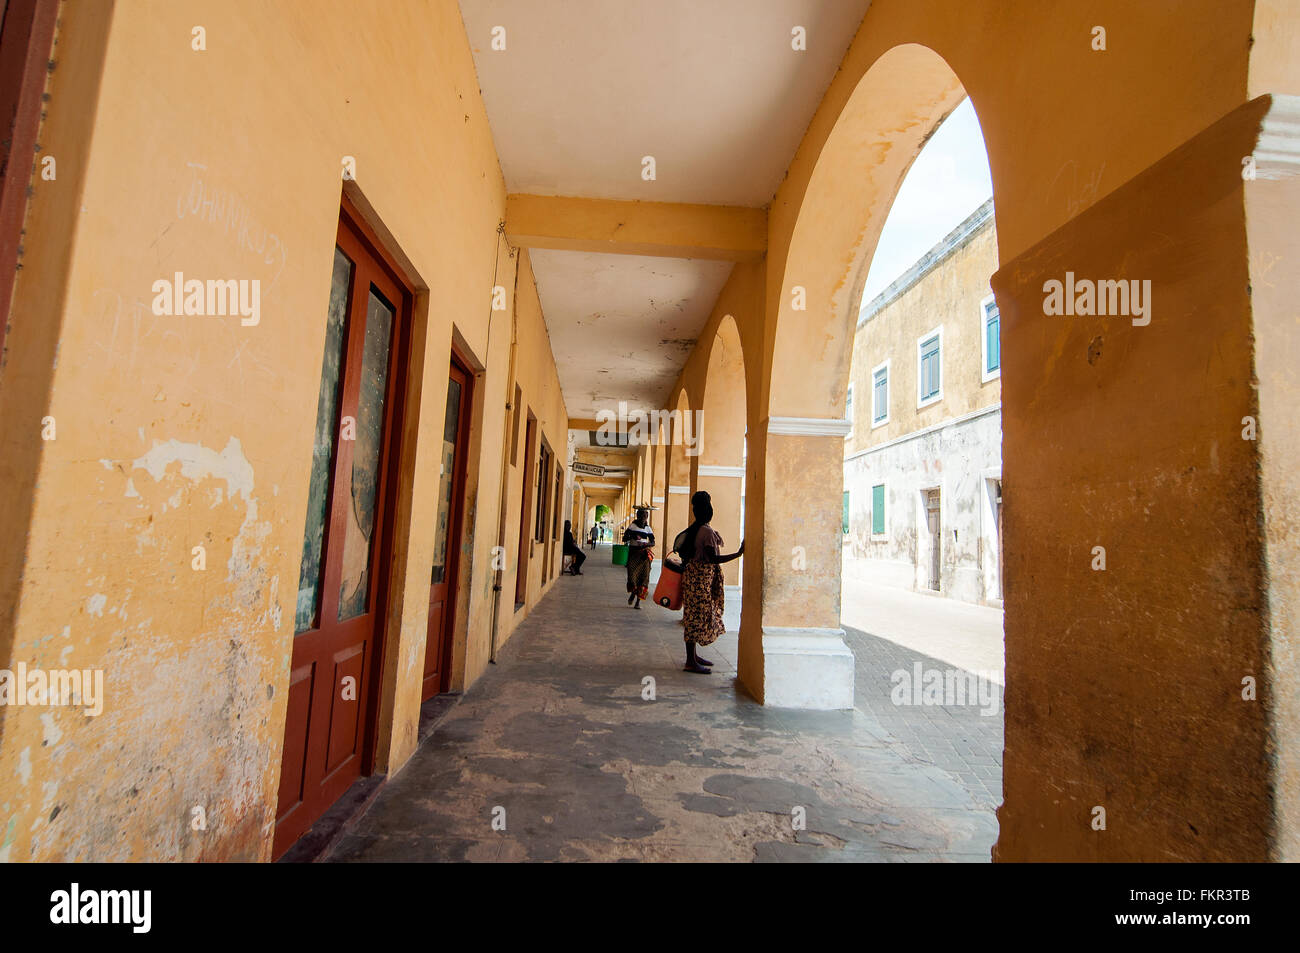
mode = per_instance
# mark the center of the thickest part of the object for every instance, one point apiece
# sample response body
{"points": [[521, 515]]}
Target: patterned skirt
{"points": [[702, 602], [638, 575]]}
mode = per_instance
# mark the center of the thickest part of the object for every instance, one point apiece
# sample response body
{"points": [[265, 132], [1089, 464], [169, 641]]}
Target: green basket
{"points": [[620, 554]]}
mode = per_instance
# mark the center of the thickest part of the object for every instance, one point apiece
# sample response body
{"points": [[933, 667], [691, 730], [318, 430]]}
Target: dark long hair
{"points": [[702, 505]]}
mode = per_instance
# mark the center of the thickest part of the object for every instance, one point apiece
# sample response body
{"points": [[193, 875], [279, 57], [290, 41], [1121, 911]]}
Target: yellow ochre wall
{"points": [[176, 432]]}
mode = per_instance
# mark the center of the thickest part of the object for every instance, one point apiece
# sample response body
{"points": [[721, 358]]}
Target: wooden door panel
{"points": [[345, 705], [433, 648], [295, 743]]}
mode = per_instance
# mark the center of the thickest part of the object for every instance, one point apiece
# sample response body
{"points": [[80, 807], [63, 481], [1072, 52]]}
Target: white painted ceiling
{"points": [[584, 89], [711, 88], [621, 326]]}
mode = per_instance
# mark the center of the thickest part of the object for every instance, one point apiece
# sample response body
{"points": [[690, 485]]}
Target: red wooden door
{"points": [[446, 544], [343, 580]]}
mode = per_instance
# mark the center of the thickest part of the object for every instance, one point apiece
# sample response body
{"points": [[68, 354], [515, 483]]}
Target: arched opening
{"points": [[815, 291], [1116, 427], [680, 447], [921, 504], [721, 469], [659, 483]]}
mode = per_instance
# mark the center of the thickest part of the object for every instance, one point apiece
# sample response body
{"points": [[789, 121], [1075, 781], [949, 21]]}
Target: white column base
{"points": [[731, 607], [807, 668]]}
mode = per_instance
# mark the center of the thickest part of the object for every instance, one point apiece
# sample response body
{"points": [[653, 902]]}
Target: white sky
{"points": [[949, 180]]}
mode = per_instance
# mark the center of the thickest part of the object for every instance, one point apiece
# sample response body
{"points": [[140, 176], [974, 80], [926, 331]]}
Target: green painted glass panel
{"points": [[359, 528], [322, 454]]}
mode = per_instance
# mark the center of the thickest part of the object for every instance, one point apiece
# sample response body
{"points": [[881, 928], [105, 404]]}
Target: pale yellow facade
{"points": [[948, 298]]}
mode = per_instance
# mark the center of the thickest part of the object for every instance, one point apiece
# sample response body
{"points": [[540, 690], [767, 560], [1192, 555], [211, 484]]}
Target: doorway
{"points": [[997, 503], [447, 535], [342, 590], [525, 510], [935, 534]]}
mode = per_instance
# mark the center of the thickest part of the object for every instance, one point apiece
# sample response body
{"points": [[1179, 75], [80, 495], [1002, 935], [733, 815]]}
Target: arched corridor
{"points": [[294, 415]]}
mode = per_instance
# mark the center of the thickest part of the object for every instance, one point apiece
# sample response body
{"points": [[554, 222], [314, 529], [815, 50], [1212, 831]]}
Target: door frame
{"points": [[526, 529], [392, 465], [929, 545], [459, 484], [26, 41], [351, 219]]}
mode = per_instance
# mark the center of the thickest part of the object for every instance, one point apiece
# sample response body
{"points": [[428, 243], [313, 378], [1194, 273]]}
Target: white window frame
{"points": [[878, 537], [884, 365], [920, 341], [850, 411], [985, 374]]}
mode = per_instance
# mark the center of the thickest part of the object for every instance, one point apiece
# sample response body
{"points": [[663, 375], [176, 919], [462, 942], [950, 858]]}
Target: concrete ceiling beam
{"points": [[662, 229]]}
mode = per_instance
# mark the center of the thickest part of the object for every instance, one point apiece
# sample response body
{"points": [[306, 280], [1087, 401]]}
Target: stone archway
{"points": [[803, 661], [680, 466], [1124, 467], [658, 486], [721, 466]]}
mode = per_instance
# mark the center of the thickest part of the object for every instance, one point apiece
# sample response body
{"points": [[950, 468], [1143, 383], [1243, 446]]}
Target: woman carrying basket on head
{"points": [[639, 539], [699, 547]]}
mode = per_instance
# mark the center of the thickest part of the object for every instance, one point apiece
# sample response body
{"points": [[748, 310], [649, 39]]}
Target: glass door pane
{"points": [[354, 588], [322, 456]]}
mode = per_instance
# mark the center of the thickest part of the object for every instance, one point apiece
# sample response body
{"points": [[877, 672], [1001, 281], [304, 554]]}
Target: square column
{"points": [[806, 662]]}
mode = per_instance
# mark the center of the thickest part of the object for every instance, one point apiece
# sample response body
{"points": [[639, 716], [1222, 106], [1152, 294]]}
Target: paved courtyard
{"points": [[560, 747], [961, 739], [891, 630]]}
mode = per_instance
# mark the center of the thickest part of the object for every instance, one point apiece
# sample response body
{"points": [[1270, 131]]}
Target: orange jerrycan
{"points": [[668, 591]]}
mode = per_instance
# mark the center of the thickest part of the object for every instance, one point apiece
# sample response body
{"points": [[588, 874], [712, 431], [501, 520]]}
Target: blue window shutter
{"points": [[992, 345], [930, 368]]}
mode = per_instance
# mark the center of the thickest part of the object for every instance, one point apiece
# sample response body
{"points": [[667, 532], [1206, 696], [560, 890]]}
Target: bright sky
{"points": [[948, 181]]}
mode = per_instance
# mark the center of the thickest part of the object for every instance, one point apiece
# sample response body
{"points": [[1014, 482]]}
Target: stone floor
{"points": [[557, 745], [964, 740], [959, 634]]}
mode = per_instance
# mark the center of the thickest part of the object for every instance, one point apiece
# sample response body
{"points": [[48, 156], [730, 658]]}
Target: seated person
{"points": [[571, 548]]}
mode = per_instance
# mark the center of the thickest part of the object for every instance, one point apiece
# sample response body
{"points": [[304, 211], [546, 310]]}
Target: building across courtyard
{"points": [[923, 460]]}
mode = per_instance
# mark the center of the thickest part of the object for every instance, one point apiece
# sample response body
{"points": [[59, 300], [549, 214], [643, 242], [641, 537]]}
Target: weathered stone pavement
{"points": [[559, 736], [964, 740]]}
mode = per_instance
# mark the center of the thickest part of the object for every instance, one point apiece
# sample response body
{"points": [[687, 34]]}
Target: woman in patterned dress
{"points": [[702, 593]]}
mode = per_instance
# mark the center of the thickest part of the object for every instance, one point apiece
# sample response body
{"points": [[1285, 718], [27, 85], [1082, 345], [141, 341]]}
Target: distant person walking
{"points": [[639, 539], [571, 548], [592, 535], [703, 596]]}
